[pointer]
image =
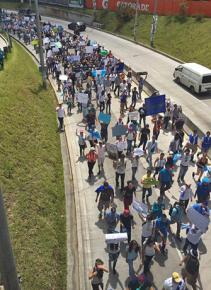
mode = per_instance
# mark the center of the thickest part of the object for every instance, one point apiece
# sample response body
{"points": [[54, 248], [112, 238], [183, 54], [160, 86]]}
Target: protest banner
{"points": [[140, 207], [63, 77], [138, 152], [112, 150], [119, 130], [201, 221], [155, 105], [104, 118], [82, 98], [133, 116], [89, 49], [115, 238]]}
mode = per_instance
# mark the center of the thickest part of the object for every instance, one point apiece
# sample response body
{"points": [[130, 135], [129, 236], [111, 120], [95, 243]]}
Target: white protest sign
{"points": [[140, 207], [74, 58], [46, 40], [52, 44], [201, 221], [63, 77], [89, 49], [133, 116], [55, 49], [138, 152], [82, 98], [115, 238]]}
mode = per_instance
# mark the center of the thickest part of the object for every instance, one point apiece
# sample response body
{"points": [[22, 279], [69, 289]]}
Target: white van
{"points": [[194, 76]]}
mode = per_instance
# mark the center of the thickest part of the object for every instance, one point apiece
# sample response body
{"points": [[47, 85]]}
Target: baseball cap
{"points": [[176, 277]]}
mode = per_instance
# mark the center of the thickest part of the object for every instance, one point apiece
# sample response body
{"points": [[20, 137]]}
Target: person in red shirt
{"points": [[91, 160]]}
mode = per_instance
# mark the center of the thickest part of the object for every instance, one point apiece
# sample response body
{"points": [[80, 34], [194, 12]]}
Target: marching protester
{"points": [[126, 223], [91, 160], [106, 194], [133, 251], [96, 275]]}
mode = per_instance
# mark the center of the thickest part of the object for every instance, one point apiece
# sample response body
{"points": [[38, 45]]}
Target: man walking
{"points": [[105, 193]]}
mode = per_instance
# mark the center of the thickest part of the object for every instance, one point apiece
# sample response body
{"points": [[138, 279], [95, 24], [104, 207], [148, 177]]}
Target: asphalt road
{"points": [[160, 73]]}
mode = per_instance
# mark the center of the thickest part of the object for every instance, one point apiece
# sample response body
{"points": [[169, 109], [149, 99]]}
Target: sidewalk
{"points": [[91, 230]]}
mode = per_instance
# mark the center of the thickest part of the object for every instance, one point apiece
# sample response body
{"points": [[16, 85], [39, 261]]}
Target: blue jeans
{"points": [[131, 269], [129, 145]]}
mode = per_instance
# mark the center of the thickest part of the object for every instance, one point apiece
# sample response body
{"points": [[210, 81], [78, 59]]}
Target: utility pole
{"points": [[42, 62], [7, 262], [154, 23], [135, 21]]}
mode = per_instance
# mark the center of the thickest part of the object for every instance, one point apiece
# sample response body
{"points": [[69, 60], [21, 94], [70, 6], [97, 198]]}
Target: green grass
{"points": [[31, 174]]}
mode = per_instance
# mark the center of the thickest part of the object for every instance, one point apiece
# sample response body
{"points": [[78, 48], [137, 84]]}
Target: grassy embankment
{"points": [[31, 174], [187, 38]]}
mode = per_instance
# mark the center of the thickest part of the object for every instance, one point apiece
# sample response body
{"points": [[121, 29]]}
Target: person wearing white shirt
{"points": [[152, 147], [60, 114], [186, 194], [193, 238], [101, 155], [184, 164], [121, 146], [175, 282]]}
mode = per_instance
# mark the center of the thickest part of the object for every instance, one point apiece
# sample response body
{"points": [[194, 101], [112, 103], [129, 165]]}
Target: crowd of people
{"points": [[89, 77]]}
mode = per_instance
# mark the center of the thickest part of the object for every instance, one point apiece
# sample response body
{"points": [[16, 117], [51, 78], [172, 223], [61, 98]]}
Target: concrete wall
{"points": [[65, 14]]}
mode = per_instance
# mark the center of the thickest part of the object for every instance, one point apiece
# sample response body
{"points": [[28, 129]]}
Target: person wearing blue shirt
{"points": [[162, 228], [203, 190], [106, 194], [176, 217], [206, 142], [112, 219], [165, 178], [193, 143]]}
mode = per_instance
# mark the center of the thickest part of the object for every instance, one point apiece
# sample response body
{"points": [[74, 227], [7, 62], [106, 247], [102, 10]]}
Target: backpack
{"points": [[192, 265], [171, 209]]}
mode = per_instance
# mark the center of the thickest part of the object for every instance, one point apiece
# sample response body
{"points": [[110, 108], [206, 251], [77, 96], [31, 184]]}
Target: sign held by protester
{"points": [[63, 77], [82, 98], [89, 49], [115, 238], [133, 116], [140, 207], [119, 130], [201, 221], [104, 118], [155, 105]]}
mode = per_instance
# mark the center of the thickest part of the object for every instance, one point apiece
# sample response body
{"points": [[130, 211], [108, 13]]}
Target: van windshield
{"points": [[206, 79]]}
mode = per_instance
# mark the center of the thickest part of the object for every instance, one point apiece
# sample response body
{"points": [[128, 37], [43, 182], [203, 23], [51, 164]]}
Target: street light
{"points": [[135, 21], [154, 23], [42, 62]]}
